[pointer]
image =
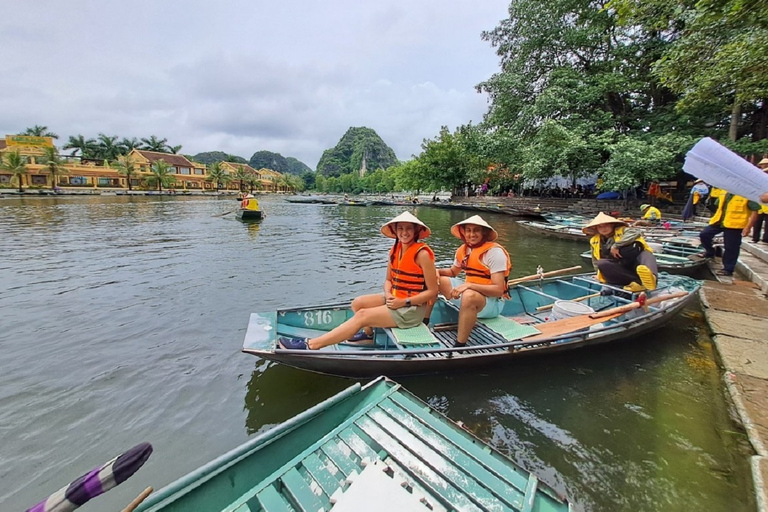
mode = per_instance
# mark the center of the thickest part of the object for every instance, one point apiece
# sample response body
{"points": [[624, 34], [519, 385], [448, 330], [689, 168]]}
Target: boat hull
{"points": [[249, 214], [671, 264]]}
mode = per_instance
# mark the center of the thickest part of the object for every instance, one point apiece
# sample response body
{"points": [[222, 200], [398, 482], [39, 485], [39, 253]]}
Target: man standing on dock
{"points": [[486, 266]]}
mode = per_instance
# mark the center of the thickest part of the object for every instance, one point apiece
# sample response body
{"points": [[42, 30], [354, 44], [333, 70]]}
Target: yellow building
{"points": [[269, 180]]}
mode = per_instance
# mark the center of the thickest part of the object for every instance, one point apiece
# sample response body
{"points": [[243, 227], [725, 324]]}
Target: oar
{"points": [[96, 481], [223, 214], [532, 277], [579, 299], [566, 325], [138, 499]]}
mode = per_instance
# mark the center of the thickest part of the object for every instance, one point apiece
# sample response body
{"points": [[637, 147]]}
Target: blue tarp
{"points": [[609, 195]]}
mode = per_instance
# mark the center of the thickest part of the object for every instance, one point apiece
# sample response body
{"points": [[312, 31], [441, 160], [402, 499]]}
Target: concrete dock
{"points": [[737, 314]]}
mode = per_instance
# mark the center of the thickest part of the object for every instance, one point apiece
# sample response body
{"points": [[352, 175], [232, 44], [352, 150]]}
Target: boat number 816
{"points": [[318, 317]]}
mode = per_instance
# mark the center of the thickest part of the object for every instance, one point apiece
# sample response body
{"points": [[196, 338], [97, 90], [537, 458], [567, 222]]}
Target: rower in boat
{"points": [[621, 256], [410, 285]]}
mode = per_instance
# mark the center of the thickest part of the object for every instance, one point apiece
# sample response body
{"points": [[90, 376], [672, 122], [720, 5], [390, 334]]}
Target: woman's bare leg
{"points": [[368, 317], [367, 301]]}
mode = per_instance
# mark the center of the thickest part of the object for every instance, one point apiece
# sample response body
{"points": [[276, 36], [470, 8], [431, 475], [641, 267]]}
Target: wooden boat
{"points": [[670, 263], [309, 200], [563, 231], [245, 214], [376, 447], [525, 328], [352, 202]]}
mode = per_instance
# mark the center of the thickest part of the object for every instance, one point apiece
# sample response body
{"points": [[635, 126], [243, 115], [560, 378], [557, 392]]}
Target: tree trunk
{"points": [[733, 131]]}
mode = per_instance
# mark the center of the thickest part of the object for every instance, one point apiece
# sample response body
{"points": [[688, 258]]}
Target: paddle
{"points": [[138, 499], [515, 281], [223, 214], [579, 299], [96, 481], [566, 325]]}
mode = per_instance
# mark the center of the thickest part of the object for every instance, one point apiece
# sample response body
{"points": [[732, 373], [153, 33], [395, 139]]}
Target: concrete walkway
{"points": [[737, 315]]}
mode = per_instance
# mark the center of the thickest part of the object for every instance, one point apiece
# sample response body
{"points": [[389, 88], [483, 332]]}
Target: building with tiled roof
{"points": [[268, 179]]}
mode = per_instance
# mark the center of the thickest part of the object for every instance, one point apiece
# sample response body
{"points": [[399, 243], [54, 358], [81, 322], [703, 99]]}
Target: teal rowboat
{"points": [[371, 448], [669, 263]]}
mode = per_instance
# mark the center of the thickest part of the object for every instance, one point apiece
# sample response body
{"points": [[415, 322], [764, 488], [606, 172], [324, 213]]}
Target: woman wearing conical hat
{"points": [[486, 265], [410, 285], [620, 254]]}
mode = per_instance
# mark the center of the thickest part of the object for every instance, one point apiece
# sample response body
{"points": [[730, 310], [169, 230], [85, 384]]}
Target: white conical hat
{"points": [[477, 221], [388, 229], [601, 218]]}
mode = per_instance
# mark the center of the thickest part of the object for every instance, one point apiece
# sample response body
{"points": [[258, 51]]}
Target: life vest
{"points": [[406, 276], [736, 215], [594, 242], [652, 213], [249, 204], [475, 270]]}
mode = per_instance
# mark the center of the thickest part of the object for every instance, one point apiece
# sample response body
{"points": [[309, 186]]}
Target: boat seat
{"points": [[419, 335], [509, 329]]}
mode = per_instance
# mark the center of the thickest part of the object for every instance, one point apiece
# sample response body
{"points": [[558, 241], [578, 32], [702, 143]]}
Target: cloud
{"points": [[243, 76]]}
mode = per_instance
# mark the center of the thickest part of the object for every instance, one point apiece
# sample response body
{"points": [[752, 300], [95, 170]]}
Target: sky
{"points": [[240, 76]]}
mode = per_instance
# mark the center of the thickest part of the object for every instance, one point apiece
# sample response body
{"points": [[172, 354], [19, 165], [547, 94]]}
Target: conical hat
{"points": [[477, 221], [601, 218], [764, 161], [388, 229]]}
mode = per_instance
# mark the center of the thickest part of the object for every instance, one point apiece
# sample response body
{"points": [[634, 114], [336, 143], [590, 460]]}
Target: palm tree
{"points": [[39, 131], [253, 181], [125, 165], [53, 165], [108, 147], [87, 147], [155, 144], [127, 145], [217, 174], [241, 175], [174, 149], [16, 165], [161, 174]]}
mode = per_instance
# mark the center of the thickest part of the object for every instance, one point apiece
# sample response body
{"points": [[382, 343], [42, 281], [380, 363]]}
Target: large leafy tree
{"points": [[357, 146], [153, 143], [108, 147], [161, 174], [15, 164], [218, 175], [40, 131], [126, 166], [53, 164]]}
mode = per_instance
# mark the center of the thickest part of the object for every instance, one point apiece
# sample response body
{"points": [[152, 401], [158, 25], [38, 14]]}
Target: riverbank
{"points": [[736, 314]]}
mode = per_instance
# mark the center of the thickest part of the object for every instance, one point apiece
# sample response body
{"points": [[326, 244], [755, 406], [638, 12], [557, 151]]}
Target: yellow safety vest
{"points": [[594, 242], [736, 214], [652, 213]]}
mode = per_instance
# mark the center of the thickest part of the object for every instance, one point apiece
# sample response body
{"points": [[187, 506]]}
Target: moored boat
{"points": [[670, 263], [526, 327], [376, 447]]}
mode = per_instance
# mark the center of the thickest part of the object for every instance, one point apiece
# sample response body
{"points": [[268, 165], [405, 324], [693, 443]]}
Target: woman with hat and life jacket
{"points": [[486, 266], [410, 285], [620, 254], [651, 216]]}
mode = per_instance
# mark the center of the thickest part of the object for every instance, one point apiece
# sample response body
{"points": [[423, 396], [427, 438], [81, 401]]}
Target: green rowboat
{"points": [[371, 448]]}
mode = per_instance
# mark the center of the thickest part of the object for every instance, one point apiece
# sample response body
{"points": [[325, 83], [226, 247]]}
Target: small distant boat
{"points": [[670, 263], [249, 209], [376, 447], [352, 202], [526, 327], [309, 200]]}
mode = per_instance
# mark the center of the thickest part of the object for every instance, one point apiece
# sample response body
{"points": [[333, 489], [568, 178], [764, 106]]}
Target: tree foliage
{"points": [[269, 160]]}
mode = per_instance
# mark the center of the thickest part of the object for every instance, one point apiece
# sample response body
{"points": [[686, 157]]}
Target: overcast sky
{"points": [[239, 76]]}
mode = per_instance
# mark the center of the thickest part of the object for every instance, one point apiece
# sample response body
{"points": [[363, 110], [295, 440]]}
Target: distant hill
{"points": [[211, 157], [357, 144], [297, 167]]}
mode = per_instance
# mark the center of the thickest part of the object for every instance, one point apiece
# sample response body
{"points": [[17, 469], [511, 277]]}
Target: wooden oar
{"points": [[512, 282], [566, 325], [223, 214], [579, 299], [138, 499]]}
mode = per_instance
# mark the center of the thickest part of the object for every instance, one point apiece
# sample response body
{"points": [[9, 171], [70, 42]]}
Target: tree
{"points": [[53, 164], [87, 147], [126, 166], [154, 144], [358, 147], [15, 164], [161, 174], [241, 175], [107, 147], [174, 149], [218, 175], [127, 145], [40, 131]]}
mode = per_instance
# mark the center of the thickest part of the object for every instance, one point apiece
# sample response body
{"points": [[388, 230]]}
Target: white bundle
{"points": [[720, 167]]}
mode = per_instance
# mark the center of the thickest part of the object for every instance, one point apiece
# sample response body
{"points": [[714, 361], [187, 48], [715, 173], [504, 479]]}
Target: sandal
{"points": [[724, 272], [361, 336]]}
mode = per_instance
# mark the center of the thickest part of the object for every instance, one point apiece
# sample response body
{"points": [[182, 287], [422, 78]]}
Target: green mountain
{"points": [[210, 157], [297, 167], [356, 145]]}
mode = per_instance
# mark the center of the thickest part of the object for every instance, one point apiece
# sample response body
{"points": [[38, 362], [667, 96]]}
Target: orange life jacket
{"points": [[406, 275], [474, 269]]}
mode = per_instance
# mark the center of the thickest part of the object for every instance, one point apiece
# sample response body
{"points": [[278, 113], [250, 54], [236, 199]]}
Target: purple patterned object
{"points": [[96, 481]]}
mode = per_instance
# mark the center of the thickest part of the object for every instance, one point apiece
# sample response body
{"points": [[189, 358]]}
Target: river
{"points": [[123, 317]]}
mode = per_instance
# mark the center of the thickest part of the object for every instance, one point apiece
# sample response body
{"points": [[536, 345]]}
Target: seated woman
{"points": [[620, 255], [651, 216], [410, 285]]}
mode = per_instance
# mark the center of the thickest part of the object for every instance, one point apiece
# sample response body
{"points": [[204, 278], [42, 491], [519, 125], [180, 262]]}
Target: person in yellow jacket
{"points": [[621, 255], [651, 216], [732, 219], [486, 265], [759, 218]]}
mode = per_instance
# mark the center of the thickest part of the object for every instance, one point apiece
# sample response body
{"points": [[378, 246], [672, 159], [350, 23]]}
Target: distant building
{"points": [[269, 180]]}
